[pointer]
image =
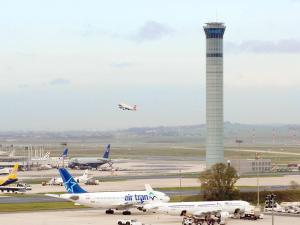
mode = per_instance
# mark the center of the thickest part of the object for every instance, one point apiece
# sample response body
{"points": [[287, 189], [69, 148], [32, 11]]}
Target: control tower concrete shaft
{"points": [[214, 93]]}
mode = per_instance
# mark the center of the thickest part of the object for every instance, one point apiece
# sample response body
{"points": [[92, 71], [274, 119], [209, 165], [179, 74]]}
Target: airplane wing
{"points": [[53, 195], [125, 205], [12, 189]]}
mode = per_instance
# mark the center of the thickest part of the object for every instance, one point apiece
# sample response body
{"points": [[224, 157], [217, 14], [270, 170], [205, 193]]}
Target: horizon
{"points": [[270, 125]]}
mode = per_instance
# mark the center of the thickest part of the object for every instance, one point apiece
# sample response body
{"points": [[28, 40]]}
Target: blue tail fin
{"points": [[106, 152], [65, 153], [70, 184]]}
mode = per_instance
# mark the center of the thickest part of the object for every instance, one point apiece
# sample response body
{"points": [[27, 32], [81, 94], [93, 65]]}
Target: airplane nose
{"points": [[167, 198]]}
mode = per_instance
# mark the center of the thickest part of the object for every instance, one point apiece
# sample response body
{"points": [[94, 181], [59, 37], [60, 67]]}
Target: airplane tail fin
{"points": [[70, 184], [46, 156], [86, 173], [148, 188], [134, 108], [14, 172], [65, 153], [12, 153], [106, 152]]}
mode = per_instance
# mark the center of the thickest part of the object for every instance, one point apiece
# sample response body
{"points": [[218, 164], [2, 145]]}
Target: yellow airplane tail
{"points": [[11, 177], [14, 172]]}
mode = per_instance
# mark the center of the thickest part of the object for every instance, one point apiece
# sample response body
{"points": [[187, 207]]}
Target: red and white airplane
{"points": [[127, 107]]}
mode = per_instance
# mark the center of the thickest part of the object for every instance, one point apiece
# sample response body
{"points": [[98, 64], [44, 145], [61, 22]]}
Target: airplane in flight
{"points": [[91, 162], [223, 208], [124, 200], [124, 106], [12, 177]]}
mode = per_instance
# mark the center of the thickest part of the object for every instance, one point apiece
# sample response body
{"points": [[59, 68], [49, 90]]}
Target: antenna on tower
{"points": [[216, 15]]}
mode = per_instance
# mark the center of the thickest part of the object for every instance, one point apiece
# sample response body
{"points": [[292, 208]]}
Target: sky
{"points": [[65, 65]]}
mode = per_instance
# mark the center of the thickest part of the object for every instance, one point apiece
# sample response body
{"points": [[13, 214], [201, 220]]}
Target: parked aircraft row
{"points": [[148, 200]]}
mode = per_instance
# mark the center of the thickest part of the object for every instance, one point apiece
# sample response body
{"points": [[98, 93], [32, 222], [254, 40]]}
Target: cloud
{"points": [[24, 86], [282, 46], [151, 31], [121, 65], [60, 81]]}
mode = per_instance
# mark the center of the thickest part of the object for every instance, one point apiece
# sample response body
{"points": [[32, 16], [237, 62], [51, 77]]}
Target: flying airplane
{"points": [[12, 177], [108, 200], [199, 208], [91, 162], [127, 107]]}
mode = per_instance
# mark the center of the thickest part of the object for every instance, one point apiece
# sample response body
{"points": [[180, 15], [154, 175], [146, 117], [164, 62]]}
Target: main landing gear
{"points": [[126, 212], [109, 211]]}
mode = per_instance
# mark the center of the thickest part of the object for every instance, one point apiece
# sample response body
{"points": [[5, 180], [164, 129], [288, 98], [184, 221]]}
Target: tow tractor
{"points": [[253, 213], [129, 222]]}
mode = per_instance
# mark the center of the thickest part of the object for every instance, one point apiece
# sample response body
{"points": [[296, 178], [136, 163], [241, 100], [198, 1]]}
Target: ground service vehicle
{"points": [[129, 222]]}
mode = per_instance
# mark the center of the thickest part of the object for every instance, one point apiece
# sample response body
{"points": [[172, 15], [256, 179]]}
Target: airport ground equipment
{"points": [[253, 213], [129, 222], [204, 220]]}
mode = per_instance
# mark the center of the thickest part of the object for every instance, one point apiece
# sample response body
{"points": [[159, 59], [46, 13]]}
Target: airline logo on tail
{"points": [[70, 184]]}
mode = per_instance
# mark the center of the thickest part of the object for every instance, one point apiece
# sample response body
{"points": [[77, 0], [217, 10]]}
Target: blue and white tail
{"points": [[106, 152], [65, 153], [70, 184]]}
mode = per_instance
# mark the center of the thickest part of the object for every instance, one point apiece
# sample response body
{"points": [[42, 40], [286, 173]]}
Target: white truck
{"points": [[253, 213]]}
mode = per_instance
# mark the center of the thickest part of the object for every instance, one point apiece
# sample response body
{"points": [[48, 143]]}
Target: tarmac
{"points": [[139, 184], [98, 217]]}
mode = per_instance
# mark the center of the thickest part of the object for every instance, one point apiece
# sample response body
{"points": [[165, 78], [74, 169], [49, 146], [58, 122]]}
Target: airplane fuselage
{"points": [[177, 208], [127, 107], [85, 163], [116, 200]]}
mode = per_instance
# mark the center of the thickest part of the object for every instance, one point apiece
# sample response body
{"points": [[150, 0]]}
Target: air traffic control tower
{"points": [[214, 93]]}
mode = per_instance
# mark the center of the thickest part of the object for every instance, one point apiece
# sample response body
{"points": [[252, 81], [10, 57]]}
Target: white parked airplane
{"points": [[200, 208], [127, 107], [108, 200], [80, 179]]}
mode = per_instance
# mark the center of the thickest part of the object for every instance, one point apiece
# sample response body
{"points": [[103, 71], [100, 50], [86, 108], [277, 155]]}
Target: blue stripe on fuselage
{"points": [[9, 181]]}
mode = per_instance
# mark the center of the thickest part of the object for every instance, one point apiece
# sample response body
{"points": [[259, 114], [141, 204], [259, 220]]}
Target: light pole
{"points": [[180, 185], [257, 157], [239, 142]]}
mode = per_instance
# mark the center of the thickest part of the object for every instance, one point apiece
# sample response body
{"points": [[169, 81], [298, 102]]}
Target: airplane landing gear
{"points": [[109, 211], [126, 212]]}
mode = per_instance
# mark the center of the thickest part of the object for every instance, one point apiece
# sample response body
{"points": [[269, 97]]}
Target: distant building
{"points": [[214, 93], [252, 165]]}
